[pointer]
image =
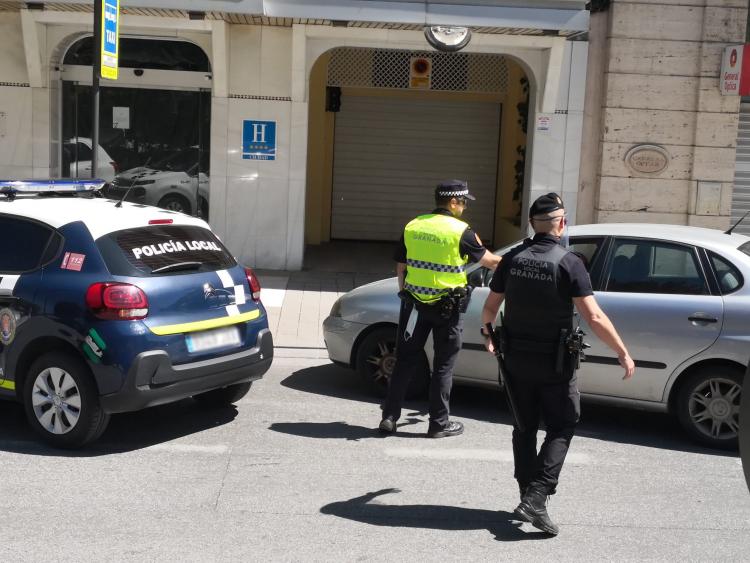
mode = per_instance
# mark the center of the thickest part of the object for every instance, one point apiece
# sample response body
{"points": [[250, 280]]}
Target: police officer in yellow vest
{"points": [[431, 267]]}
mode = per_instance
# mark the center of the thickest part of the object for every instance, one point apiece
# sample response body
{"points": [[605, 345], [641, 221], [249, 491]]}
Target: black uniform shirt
{"points": [[470, 244], [574, 280]]}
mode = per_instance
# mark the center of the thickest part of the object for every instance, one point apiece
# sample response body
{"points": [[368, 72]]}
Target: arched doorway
{"points": [[385, 125], [154, 122]]}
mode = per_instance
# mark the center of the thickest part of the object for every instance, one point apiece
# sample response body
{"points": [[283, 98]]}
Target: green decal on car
{"points": [[94, 346]]}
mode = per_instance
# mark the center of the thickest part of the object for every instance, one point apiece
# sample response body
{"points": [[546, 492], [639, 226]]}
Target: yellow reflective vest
{"points": [[434, 264]]}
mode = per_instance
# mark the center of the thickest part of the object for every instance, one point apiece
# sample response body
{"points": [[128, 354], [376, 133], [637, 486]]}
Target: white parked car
{"points": [[678, 296], [77, 160], [178, 182]]}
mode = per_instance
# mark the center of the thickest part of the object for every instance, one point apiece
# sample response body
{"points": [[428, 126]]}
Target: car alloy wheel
{"points": [[56, 400], [61, 400], [383, 359], [376, 362], [714, 408]]}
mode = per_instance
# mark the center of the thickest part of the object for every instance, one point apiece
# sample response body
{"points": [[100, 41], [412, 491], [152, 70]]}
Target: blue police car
{"points": [[109, 307]]}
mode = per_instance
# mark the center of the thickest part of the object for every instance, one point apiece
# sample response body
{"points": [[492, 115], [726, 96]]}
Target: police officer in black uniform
{"points": [[541, 281], [431, 258]]}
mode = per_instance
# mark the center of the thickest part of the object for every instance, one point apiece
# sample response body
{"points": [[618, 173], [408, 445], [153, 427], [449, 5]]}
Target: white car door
{"points": [[656, 295]]}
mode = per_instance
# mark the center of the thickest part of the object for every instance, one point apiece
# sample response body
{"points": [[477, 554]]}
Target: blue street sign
{"points": [[110, 38], [258, 140]]}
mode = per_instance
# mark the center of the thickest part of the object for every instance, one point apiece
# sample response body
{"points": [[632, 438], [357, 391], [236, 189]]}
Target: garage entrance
{"points": [[386, 126]]}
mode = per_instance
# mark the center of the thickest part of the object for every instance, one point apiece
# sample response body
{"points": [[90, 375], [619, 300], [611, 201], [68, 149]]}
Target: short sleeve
{"points": [[497, 283], [580, 281], [471, 246], [399, 254]]}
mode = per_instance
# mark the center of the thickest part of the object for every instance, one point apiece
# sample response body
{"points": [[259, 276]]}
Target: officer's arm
{"points": [[605, 330], [401, 274], [490, 260], [489, 315]]}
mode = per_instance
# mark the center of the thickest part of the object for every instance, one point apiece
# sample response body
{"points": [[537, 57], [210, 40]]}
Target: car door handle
{"points": [[699, 318]]}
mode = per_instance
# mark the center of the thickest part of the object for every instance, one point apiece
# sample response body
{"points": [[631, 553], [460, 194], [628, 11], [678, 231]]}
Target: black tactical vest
{"points": [[534, 308]]}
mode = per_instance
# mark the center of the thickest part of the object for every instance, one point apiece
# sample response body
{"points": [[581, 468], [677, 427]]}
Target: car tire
{"points": [[224, 396], [203, 208], [62, 401], [708, 405], [175, 202], [376, 358]]}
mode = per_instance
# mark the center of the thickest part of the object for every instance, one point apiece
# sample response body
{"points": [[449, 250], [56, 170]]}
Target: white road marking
{"points": [[272, 297], [473, 454], [217, 449]]}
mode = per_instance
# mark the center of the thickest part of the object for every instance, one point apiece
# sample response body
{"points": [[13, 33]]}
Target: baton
{"points": [[502, 376]]}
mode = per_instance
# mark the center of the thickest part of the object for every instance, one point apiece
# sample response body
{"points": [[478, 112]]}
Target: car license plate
{"points": [[213, 339]]}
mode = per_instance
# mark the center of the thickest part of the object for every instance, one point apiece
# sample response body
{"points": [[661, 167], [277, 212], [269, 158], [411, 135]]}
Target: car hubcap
{"points": [[383, 360], [174, 206], [715, 408], [56, 400]]}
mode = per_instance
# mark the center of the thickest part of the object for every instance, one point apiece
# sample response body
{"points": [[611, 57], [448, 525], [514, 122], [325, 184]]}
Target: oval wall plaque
{"points": [[647, 159]]}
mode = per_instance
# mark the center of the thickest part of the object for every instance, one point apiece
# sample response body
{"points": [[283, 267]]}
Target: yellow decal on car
{"points": [[10, 385], [205, 325]]}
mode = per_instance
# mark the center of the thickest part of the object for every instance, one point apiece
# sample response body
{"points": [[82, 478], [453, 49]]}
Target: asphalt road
{"points": [[296, 473]]}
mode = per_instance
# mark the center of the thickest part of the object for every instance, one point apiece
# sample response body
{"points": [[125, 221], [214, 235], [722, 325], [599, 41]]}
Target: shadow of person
{"points": [[503, 525], [339, 430]]}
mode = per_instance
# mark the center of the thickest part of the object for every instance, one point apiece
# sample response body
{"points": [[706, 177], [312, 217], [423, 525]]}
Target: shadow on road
{"points": [[607, 423], [126, 432], [503, 525], [341, 430]]}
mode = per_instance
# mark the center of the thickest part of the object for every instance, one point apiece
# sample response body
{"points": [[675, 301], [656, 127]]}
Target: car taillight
{"points": [[161, 221], [117, 301], [252, 279]]}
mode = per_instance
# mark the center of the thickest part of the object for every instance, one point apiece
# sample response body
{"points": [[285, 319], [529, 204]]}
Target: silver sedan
{"points": [[677, 296]]}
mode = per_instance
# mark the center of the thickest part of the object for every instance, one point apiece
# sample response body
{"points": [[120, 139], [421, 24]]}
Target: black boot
{"points": [[533, 508]]}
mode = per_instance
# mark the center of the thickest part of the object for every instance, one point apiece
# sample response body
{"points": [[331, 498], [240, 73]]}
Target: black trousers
{"points": [[447, 338], [540, 393]]}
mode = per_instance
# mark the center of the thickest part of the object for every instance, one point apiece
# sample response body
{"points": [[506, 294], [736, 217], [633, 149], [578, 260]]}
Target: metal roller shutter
{"points": [[741, 193], [390, 153]]}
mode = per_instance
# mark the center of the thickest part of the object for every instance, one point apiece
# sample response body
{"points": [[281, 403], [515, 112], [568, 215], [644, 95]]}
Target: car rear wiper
{"points": [[178, 266]]}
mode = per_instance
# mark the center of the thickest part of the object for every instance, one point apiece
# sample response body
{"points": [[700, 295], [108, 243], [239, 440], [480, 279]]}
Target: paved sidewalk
{"points": [[298, 302]]}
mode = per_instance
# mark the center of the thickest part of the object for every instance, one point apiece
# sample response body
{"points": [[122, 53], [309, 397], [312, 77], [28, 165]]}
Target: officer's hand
{"points": [[488, 345], [627, 363]]}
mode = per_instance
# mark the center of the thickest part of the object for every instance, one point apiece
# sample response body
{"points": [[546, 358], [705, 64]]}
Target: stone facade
{"points": [[653, 79]]}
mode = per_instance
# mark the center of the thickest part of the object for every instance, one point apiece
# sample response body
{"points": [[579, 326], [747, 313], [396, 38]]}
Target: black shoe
{"points": [[387, 425], [452, 429], [533, 508]]}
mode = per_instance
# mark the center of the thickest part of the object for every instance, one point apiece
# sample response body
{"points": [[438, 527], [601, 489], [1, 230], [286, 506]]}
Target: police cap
{"points": [[453, 188], [546, 203]]}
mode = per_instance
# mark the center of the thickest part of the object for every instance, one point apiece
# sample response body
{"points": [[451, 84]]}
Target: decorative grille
{"points": [[388, 68]]}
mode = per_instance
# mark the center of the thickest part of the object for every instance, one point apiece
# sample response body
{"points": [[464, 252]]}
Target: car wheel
{"points": [[709, 405], [174, 202], [376, 358], [62, 401], [224, 396]]}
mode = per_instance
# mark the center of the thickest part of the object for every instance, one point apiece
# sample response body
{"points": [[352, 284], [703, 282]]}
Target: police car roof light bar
{"points": [[10, 188]]}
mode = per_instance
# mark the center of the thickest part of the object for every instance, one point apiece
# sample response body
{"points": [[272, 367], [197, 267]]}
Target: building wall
{"points": [[263, 73], [659, 85]]}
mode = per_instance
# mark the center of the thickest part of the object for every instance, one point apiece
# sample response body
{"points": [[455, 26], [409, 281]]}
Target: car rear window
{"points": [[163, 250]]}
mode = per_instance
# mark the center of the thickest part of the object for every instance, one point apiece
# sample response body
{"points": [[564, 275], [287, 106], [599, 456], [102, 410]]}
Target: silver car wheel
{"points": [[384, 360], [56, 400], [714, 408]]}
